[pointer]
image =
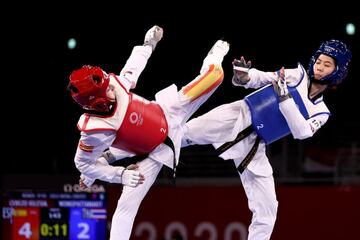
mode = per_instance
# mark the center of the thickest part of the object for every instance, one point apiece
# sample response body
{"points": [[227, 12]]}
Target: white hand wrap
{"points": [[280, 87], [241, 69], [153, 36], [130, 178]]}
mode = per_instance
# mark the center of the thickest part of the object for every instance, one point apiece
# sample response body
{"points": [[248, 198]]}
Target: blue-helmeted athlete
{"points": [[288, 101]]}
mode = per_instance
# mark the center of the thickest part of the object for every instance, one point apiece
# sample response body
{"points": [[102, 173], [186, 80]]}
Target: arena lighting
{"points": [[71, 43], [350, 29]]}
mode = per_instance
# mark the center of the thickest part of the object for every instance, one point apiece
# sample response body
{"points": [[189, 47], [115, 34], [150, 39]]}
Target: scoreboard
{"points": [[55, 216]]}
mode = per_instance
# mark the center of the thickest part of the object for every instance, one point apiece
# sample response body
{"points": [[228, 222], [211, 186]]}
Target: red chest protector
{"points": [[144, 126]]}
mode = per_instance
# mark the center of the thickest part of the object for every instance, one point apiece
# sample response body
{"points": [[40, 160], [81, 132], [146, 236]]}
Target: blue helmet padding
{"points": [[342, 55]]}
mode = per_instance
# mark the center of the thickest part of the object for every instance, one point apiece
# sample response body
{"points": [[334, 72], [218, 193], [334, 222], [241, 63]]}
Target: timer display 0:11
{"points": [[54, 230], [54, 223]]}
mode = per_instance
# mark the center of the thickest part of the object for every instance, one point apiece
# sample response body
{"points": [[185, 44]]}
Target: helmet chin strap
{"points": [[321, 82]]}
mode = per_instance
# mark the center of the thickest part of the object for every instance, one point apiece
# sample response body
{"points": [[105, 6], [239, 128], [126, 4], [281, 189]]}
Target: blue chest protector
{"points": [[267, 120]]}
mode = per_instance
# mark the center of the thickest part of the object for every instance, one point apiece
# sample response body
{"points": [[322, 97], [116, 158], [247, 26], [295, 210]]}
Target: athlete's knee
{"points": [[128, 206], [266, 213], [270, 214]]}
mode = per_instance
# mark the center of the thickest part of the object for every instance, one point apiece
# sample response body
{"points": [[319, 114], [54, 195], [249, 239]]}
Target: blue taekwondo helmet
{"points": [[342, 55]]}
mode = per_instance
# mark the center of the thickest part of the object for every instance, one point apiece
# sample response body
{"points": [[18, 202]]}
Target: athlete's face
{"points": [[323, 66]]}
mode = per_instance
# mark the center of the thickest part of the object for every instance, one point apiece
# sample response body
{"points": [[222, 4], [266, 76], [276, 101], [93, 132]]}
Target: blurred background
{"points": [[43, 44]]}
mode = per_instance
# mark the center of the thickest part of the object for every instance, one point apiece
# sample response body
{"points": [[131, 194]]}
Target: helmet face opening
{"points": [[342, 56], [97, 80], [72, 89], [88, 87]]}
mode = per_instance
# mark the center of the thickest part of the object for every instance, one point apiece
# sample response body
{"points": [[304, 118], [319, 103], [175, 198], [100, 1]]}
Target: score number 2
{"points": [[84, 230]]}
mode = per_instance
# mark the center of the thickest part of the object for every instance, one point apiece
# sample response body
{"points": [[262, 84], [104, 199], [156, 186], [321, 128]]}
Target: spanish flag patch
{"points": [[85, 148]]}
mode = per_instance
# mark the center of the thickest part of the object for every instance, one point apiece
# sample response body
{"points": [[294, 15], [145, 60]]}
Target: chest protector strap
{"points": [[144, 126]]}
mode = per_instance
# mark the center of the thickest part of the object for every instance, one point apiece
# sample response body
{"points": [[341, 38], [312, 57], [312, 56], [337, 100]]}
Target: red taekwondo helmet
{"points": [[342, 55], [88, 88]]}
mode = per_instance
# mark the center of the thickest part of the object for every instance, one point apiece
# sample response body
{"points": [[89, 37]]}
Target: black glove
{"points": [[241, 70]]}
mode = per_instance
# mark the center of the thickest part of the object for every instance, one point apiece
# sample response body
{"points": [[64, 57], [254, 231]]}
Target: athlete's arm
{"points": [[299, 126], [139, 56], [259, 78], [87, 161]]}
